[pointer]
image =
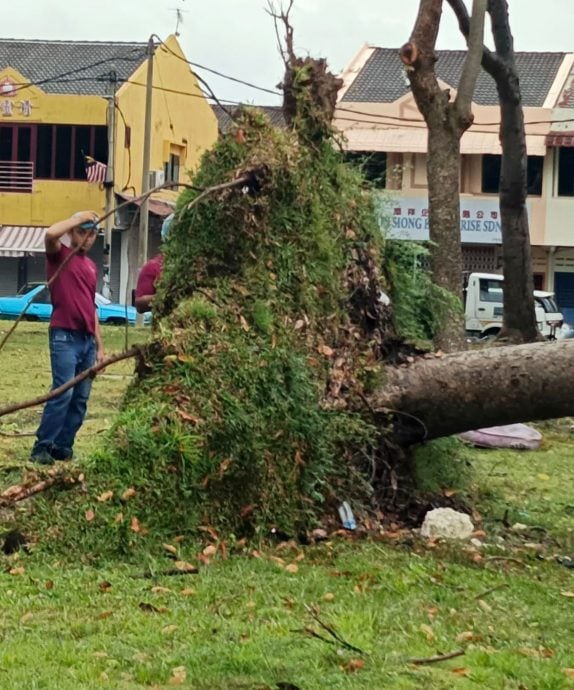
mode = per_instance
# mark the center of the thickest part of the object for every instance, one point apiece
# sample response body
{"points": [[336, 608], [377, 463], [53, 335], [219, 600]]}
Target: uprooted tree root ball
{"points": [[270, 332]]}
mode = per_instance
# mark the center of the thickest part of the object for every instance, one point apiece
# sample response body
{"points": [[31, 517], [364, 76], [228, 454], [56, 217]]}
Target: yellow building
{"points": [[55, 137]]}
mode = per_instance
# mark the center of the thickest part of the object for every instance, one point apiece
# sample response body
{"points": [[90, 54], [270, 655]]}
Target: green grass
{"points": [[25, 362], [242, 627], [62, 629]]}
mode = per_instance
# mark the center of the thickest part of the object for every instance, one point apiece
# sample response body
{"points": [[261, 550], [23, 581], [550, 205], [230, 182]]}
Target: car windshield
{"points": [[101, 301], [28, 287], [548, 304]]}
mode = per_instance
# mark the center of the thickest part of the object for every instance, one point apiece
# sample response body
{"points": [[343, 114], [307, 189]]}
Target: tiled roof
{"points": [[274, 113], [382, 79], [82, 63]]}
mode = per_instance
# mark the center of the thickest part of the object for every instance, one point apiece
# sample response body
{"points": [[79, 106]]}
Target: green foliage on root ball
{"points": [[236, 423]]}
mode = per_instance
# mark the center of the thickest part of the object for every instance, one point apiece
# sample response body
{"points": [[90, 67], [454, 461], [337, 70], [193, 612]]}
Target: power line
{"points": [[374, 117], [57, 77], [217, 72]]}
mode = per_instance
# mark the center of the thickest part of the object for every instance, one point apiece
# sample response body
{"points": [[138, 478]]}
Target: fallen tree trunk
{"points": [[468, 390]]}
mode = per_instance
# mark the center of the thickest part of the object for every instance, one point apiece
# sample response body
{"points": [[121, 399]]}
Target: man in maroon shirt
{"points": [[75, 338], [150, 273], [147, 280]]}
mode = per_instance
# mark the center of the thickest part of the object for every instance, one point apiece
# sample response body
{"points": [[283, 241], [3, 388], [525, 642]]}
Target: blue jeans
{"points": [[71, 352]]}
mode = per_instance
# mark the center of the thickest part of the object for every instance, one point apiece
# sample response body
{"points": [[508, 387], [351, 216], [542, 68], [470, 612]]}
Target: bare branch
{"points": [[437, 658], [331, 631], [166, 185], [472, 60], [282, 15], [490, 60], [20, 492], [239, 182], [501, 33], [427, 23], [87, 373]]}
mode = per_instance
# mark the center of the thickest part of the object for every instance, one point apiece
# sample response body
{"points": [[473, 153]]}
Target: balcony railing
{"points": [[16, 176]]}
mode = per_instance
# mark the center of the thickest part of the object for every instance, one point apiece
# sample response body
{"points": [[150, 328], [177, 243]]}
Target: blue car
{"points": [[41, 307]]}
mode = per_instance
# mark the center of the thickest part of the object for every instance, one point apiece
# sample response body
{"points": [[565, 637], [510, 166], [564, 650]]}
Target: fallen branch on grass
{"points": [[16, 434], [338, 640], [135, 351], [168, 573], [437, 658], [490, 591], [505, 559], [20, 492]]}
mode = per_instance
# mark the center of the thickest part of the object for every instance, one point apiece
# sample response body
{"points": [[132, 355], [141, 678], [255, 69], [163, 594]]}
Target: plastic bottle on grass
{"points": [[347, 517]]}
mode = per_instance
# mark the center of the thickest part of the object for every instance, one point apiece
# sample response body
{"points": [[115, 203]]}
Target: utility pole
{"points": [[144, 208], [109, 183]]}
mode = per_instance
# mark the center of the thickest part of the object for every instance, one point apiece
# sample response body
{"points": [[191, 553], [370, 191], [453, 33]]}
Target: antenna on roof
{"points": [[179, 18]]}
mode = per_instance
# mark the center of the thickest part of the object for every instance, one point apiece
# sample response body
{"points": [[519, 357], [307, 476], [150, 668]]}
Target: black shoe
{"points": [[62, 454], [42, 457]]}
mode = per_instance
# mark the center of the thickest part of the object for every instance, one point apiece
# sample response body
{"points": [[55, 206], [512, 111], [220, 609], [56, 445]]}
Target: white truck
{"points": [[483, 308]]}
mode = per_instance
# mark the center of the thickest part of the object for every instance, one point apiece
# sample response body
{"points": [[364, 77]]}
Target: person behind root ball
{"points": [[74, 334], [150, 273]]}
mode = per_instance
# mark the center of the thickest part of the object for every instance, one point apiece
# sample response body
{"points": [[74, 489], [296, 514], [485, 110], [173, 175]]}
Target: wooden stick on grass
{"points": [[437, 658], [92, 371]]}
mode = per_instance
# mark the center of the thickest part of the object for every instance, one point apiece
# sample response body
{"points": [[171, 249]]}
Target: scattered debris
{"points": [[347, 518], [437, 658], [515, 436], [446, 523]]}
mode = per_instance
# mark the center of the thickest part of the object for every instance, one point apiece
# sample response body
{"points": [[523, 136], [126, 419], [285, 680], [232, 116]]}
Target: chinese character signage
{"points": [[10, 108], [9, 105], [408, 219]]}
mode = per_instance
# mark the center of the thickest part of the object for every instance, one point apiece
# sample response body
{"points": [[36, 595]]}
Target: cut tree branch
{"points": [[142, 197], [135, 351], [437, 658], [20, 492]]}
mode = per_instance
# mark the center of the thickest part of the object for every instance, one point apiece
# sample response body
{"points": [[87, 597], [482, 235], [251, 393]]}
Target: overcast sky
{"points": [[237, 36]]}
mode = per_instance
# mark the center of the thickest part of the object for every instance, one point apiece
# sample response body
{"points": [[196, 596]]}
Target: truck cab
{"points": [[483, 307]]}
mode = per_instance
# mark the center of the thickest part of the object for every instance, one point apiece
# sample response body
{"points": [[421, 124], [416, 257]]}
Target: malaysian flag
{"points": [[95, 171]]}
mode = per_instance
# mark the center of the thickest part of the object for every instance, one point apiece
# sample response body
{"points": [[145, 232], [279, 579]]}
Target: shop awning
{"points": [[21, 240], [156, 206], [565, 139], [415, 141]]}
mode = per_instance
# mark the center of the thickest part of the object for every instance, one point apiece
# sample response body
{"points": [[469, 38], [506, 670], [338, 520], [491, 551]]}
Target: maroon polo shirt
{"points": [[148, 276], [73, 292]]}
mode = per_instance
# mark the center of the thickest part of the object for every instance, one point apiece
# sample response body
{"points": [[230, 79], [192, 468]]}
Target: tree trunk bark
{"points": [[443, 173], [519, 319], [446, 121], [446, 395]]}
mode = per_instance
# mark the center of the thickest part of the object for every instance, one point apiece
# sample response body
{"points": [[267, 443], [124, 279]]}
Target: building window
{"points": [[171, 168], [490, 174], [15, 143], [373, 165], [60, 150], [565, 171], [534, 175], [491, 166]]}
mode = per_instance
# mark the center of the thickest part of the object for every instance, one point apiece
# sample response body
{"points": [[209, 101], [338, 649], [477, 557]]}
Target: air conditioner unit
{"points": [[156, 178]]}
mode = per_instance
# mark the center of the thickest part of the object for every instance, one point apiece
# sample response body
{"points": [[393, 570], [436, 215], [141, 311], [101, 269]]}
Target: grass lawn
{"points": [[241, 622]]}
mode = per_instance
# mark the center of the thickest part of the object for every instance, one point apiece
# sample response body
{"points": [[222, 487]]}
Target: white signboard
{"points": [[407, 218]]}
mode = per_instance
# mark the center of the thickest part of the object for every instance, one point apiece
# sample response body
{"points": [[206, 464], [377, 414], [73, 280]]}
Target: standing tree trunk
{"points": [[519, 317], [446, 121]]}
